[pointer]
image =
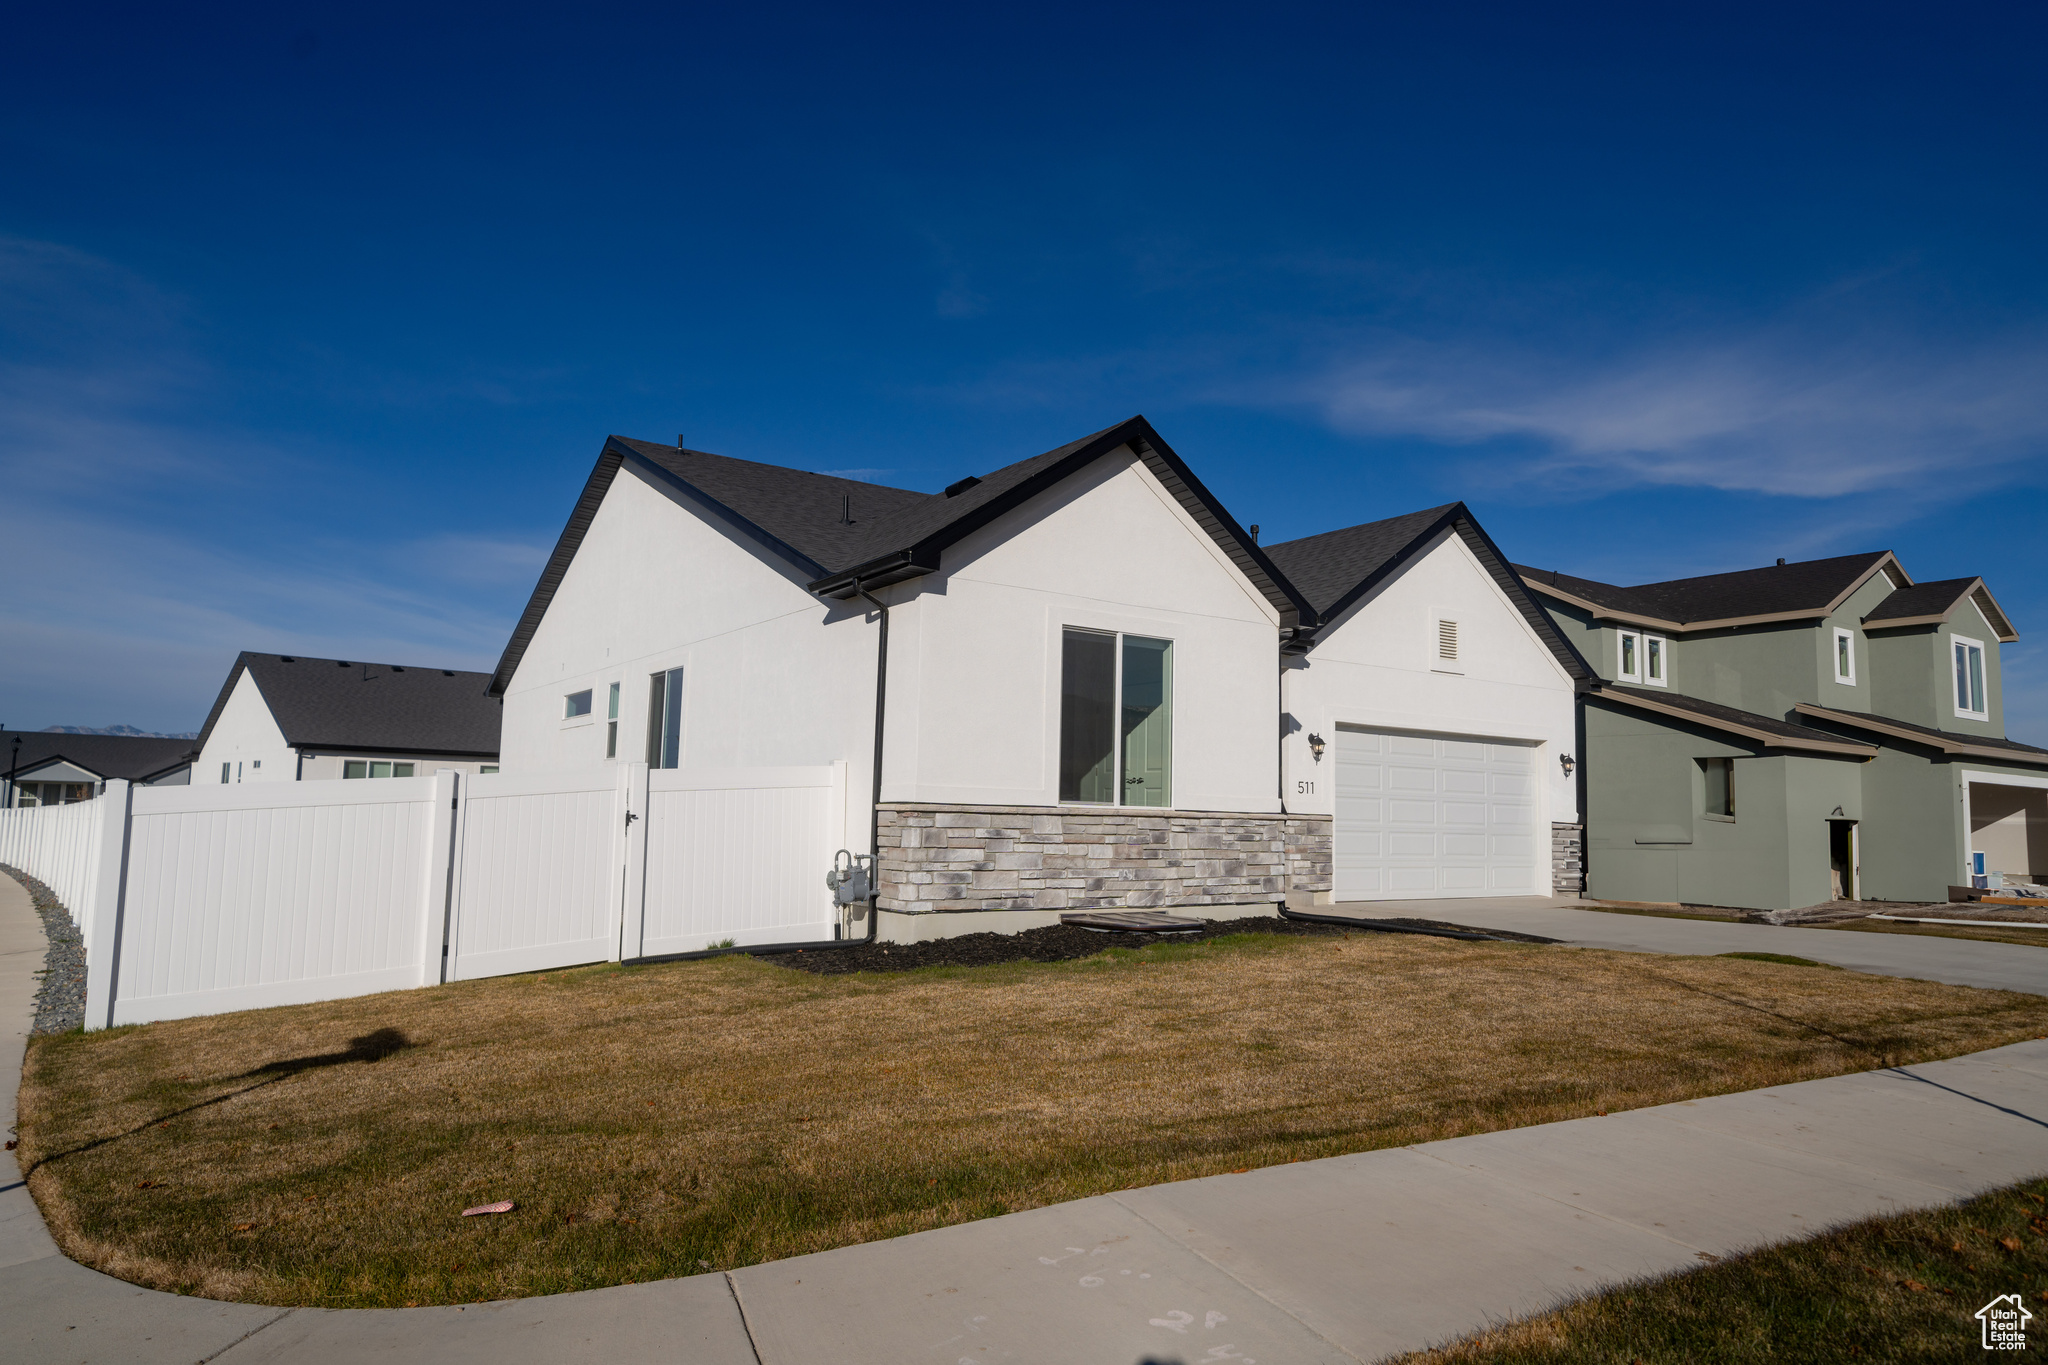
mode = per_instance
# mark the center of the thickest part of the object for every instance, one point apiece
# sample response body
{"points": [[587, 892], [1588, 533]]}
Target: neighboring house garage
{"points": [[1431, 711], [1423, 815]]}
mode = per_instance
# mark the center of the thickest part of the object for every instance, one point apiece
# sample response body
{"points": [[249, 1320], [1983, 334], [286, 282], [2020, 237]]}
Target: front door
{"points": [[1842, 859]]}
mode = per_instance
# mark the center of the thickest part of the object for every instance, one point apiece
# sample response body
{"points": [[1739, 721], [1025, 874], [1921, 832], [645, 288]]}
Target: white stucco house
{"points": [[1430, 711], [292, 718], [1073, 683]]}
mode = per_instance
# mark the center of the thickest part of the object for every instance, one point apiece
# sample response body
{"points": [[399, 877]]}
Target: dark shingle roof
{"points": [[895, 533], [1773, 734], [134, 757], [1948, 741], [1336, 568], [1814, 586], [1927, 603], [348, 704], [1327, 567]]}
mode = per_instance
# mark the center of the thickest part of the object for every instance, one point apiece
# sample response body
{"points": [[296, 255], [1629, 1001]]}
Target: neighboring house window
{"points": [[611, 724], [1720, 787], [223, 774], [1629, 667], [52, 793], [483, 768], [1969, 677], [374, 767], [1447, 641], [1116, 719], [1845, 656], [576, 704], [1655, 650], [665, 719]]}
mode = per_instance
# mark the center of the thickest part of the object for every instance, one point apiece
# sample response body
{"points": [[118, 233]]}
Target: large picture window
{"points": [[1116, 719]]}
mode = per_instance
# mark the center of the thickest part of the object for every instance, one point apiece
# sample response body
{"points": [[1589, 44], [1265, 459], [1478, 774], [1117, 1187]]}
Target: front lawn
{"points": [[1886, 1292], [664, 1120]]}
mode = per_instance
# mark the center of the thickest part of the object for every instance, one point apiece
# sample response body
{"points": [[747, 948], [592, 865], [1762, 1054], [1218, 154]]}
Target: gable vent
{"points": [[1447, 640]]}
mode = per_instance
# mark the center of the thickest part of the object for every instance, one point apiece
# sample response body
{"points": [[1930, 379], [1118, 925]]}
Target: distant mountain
{"points": [[116, 730]]}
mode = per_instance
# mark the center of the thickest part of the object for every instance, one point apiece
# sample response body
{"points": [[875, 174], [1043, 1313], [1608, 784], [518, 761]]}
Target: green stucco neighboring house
{"points": [[1779, 737]]}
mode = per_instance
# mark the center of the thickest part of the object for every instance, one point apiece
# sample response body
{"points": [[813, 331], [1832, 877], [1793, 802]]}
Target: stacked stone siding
{"points": [[1568, 860], [953, 858]]}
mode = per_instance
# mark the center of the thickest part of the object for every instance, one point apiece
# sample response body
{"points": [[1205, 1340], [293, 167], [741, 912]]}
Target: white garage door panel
{"points": [[1432, 816]]}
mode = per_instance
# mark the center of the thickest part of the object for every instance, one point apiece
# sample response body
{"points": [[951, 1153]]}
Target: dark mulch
{"points": [[1066, 942], [60, 1001]]}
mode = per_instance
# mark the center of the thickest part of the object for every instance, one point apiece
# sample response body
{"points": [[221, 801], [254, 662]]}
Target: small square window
{"points": [[354, 767], [401, 770], [576, 704], [379, 768]]}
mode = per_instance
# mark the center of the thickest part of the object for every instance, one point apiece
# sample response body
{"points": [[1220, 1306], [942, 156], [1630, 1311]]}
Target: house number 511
{"points": [[1305, 788]]}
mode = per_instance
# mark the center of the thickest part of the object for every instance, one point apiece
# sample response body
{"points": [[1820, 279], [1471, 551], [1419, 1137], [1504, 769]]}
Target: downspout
{"points": [[875, 804]]}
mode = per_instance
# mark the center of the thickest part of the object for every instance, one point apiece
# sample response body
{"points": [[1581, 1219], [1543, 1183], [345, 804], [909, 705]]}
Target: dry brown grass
{"points": [[661, 1120]]}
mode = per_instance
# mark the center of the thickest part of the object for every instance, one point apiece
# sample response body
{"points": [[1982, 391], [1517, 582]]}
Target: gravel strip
{"points": [[60, 1002], [1064, 943]]}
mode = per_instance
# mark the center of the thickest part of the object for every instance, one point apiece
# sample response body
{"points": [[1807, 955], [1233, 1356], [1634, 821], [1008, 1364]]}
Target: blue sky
{"points": [[313, 319]]}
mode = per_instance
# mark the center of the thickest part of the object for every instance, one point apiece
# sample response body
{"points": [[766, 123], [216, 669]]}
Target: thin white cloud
{"points": [[1778, 413]]}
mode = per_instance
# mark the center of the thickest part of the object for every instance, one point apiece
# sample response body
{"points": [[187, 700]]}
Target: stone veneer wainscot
{"points": [[953, 858]]}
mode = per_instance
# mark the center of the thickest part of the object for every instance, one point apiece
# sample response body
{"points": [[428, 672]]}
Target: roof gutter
{"points": [[1943, 742], [1764, 738]]}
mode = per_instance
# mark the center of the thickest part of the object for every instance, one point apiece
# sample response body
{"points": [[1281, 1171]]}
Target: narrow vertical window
{"points": [[1845, 657], [1148, 722], [611, 724], [1088, 716], [1653, 659], [223, 774], [1969, 678], [1630, 670], [665, 719]]}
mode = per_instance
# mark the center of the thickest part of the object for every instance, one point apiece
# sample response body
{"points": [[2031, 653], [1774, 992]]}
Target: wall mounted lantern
{"points": [[1315, 746], [1567, 762]]}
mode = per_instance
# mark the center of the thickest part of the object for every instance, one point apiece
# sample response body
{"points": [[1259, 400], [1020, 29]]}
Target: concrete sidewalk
{"points": [[1959, 962], [1344, 1260]]}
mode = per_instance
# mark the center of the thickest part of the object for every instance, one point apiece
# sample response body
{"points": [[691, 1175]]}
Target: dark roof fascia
{"points": [[1880, 563], [609, 461], [1171, 471], [1756, 734], [1975, 590], [220, 702], [1459, 517], [308, 746], [28, 773], [1945, 741]]}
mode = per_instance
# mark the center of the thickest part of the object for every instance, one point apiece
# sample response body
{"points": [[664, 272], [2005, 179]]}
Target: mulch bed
{"points": [[60, 1002], [1066, 942]]}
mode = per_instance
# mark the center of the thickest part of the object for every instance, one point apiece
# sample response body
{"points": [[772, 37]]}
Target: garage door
{"points": [[1434, 815]]}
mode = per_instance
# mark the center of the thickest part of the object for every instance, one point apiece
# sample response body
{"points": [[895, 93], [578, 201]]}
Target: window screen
{"points": [[1088, 716], [665, 719]]}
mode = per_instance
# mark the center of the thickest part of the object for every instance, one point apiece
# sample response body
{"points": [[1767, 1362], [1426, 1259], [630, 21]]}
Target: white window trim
{"points": [[1835, 657], [589, 717], [1620, 653], [1663, 653], [1116, 633], [1963, 711]]}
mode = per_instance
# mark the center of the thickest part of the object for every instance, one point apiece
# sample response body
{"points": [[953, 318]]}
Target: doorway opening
{"points": [[1842, 860]]}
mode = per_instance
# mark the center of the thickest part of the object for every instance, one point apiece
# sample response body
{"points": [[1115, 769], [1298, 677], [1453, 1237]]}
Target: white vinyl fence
{"points": [[198, 900], [57, 845]]}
